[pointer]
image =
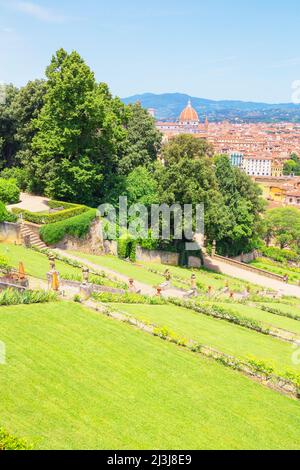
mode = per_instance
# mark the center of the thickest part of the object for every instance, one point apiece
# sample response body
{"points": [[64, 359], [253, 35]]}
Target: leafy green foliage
{"points": [[128, 298], [9, 191], [20, 175], [78, 132], [283, 225], [77, 226], [279, 255], [44, 218], [292, 166], [6, 216], [14, 297], [143, 140], [244, 205], [9, 442]]}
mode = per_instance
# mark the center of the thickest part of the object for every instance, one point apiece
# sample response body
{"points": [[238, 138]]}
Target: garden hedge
{"points": [[70, 210], [78, 227]]}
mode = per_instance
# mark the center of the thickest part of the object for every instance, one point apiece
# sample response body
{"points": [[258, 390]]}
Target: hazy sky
{"points": [[229, 49]]}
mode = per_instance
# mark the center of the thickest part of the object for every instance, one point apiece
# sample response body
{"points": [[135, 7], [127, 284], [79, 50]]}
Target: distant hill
{"points": [[170, 105]]}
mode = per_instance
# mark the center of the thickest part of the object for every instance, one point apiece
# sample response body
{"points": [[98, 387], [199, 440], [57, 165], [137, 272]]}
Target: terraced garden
{"points": [[77, 380]]}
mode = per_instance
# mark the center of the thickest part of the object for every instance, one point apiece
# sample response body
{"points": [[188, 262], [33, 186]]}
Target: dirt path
{"points": [[260, 280], [144, 288]]}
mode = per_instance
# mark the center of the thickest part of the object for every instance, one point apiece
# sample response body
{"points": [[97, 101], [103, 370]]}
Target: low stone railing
{"points": [[248, 267], [95, 287]]}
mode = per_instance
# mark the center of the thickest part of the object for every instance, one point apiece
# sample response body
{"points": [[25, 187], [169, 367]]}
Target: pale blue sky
{"points": [[227, 49]]}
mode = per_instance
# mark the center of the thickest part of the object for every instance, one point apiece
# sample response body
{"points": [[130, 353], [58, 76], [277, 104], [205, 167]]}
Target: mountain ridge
{"points": [[168, 106]]}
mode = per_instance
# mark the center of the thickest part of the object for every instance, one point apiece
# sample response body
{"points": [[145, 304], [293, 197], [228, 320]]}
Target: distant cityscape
{"points": [[261, 150]]}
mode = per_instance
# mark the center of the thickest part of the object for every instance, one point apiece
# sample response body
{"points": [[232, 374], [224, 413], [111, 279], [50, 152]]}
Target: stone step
{"points": [[34, 238]]}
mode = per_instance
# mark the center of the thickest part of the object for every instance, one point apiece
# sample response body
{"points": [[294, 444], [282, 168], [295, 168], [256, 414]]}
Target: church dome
{"points": [[189, 114]]}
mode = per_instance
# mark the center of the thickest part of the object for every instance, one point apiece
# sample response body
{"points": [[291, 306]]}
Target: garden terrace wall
{"points": [[155, 256], [209, 263], [92, 243], [94, 287], [10, 233]]}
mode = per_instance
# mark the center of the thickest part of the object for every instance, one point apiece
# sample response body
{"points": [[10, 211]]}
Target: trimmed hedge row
{"points": [[78, 227], [44, 218], [28, 297]]}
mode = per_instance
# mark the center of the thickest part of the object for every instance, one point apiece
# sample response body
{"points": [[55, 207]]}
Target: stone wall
{"points": [[163, 257], [92, 243], [10, 233], [247, 257]]}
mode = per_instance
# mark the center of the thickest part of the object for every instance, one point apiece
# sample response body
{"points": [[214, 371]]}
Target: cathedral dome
{"points": [[189, 114]]}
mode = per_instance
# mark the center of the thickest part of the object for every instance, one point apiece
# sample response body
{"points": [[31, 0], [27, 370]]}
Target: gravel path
{"points": [[260, 280], [31, 203], [144, 288]]}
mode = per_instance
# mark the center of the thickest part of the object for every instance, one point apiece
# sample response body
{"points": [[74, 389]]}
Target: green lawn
{"points": [[268, 319], [78, 380], [36, 264], [141, 272], [123, 267], [205, 277], [226, 337], [278, 268]]}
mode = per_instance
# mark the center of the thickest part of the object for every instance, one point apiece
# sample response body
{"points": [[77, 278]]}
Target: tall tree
{"points": [[78, 132], [244, 204], [143, 141], [8, 126], [188, 177]]}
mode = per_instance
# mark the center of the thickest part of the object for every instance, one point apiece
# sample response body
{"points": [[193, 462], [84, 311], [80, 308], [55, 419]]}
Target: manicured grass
{"points": [[268, 319], [77, 380], [226, 337], [205, 277], [278, 268], [36, 264], [123, 267], [295, 309]]}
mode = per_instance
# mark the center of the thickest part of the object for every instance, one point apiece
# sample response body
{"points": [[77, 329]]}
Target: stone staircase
{"points": [[31, 238]]}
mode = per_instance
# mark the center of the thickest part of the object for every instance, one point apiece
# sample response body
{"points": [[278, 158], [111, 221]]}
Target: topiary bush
{"points": [[78, 227], [9, 191]]}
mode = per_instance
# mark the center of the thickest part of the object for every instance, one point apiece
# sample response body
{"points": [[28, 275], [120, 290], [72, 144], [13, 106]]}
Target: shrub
{"points": [[78, 227], [6, 216], [219, 312], [20, 175], [3, 262], [128, 298], [44, 218], [127, 248], [9, 191], [279, 255], [9, 442], [15, 297]]}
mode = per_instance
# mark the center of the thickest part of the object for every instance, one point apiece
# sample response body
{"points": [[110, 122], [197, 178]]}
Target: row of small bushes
{"points": [[27, 297], [276, 311], [128, 298], [44, 218], [217, 311], [96, 280], [78, 227], [279, 255], [250, 365], [9, 442]]}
